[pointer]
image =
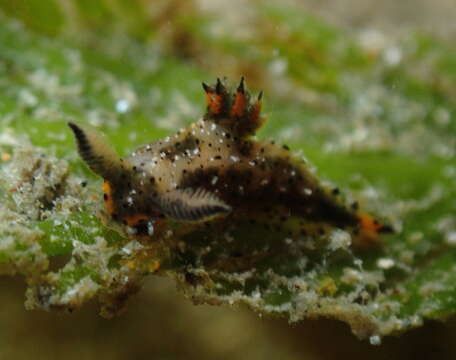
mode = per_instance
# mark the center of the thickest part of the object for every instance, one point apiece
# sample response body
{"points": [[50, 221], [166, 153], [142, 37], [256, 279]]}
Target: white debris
{"points": [[392, 56], [150, 228], [122, 106], [339, 239], [385, 263], [450, 238], [375, 340]]}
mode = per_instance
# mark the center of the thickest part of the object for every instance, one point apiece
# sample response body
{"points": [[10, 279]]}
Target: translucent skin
{"points": [[247, 175]]}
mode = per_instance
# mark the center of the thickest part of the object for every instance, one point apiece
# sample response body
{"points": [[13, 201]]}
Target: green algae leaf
{"points": [[374, 117]]}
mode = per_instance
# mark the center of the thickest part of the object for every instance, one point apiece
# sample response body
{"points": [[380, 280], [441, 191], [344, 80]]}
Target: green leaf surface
{"points": [[373, 116]]}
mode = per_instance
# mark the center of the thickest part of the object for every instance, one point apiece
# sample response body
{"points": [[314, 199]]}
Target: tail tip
{"points": [[370, 224]]}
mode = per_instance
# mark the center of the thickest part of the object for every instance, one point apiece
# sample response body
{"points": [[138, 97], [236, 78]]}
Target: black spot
{"points": [[192, 279], [141, 228], [236, 254]]}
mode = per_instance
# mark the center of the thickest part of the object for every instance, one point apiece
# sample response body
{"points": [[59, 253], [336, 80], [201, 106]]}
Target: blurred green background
{"points": [[384, 71]]}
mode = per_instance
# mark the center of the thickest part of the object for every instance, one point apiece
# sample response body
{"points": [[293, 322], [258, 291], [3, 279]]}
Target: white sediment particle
{"points": [[131, 247], [447, 226], [79, 292], [8, 138], [290, 133], [256, 295], [392, 56], [7, 243], [385, 263], [372, 40], [122, 106], [375, 340], [129, 200], [358, 262], [278, 66], [150, 228], [442, 116], [450, 238], [131, 230], [49, 83], [307, 191], [126, 250], [339, 239], [353, 276], [27, 98], [234, 158], [214, 180]]}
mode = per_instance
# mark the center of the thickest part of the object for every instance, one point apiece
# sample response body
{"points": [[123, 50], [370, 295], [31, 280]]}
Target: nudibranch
{"points": [[215, 169]]}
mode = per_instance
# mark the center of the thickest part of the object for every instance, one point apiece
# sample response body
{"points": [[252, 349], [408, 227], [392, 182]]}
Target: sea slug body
{"points": [[215, 169]]}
